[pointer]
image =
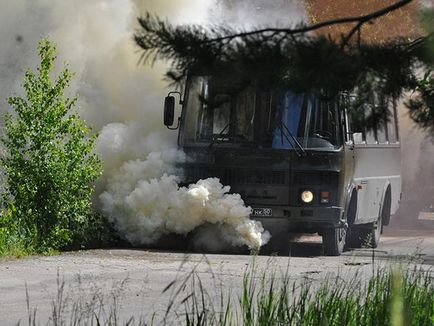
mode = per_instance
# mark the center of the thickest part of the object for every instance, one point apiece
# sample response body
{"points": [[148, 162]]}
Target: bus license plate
{"points": [[262, 212]]}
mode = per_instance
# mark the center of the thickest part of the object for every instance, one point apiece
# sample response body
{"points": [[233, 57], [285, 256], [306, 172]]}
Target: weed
{"points": [[392, 296]]}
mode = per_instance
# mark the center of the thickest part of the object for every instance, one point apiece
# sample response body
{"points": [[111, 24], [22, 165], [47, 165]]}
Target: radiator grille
{"points": [[316, 178], [233, 176]]}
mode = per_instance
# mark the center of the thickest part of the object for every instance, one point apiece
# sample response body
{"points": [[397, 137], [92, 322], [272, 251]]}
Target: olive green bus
{"points": [[296, 159]]}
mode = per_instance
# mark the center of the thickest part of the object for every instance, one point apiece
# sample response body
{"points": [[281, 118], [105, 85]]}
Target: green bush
{"points": [[49, 161], [11, 243]]}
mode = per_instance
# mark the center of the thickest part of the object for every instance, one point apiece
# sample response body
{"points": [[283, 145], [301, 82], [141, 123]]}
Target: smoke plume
{"points": [[248, 14], [123, 102], [417, 153]]}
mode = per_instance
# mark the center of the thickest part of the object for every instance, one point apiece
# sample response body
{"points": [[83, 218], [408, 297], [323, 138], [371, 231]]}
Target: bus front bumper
{"points": [[300, 219]]}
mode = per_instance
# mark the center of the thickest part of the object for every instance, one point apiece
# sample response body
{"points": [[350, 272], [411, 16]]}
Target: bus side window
{"points": [[358, 130], [371, 137], [385, 134], [392, 129], [382, 134], [353, 123], [381, 128]]}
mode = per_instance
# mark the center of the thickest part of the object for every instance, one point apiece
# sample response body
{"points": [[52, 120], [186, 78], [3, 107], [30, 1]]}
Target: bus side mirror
{"points": [[169, 110]]}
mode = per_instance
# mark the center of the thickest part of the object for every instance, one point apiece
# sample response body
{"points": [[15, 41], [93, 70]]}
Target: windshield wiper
{"points": [[294, 140]]}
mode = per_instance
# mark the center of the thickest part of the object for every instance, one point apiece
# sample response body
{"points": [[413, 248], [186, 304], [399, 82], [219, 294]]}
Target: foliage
{"points": [[11, 243], [98, 232], [296, 59], [421, 103], [394, 295], [49, 161], [388, 297]]}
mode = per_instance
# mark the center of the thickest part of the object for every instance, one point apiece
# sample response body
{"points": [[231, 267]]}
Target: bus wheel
{"points": [[376, 233], [333, 241], [370, 237], [386, 208], [354, 238]]}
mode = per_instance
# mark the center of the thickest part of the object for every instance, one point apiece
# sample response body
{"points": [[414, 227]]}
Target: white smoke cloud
{"points": [[248, 14], [144, 209], [143, 200], [123, 101]]}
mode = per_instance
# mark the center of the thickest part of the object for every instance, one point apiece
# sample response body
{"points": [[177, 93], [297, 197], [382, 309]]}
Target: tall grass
{"points": [[15, 245], [12, 245], [390, 297], [395, 297]]}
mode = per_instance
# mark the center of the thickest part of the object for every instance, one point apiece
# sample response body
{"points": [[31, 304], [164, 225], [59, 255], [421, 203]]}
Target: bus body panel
{"points": [[376, 167], [273, 180]]}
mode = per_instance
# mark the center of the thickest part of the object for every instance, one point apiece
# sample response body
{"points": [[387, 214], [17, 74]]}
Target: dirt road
{"points": [[136, 278]]}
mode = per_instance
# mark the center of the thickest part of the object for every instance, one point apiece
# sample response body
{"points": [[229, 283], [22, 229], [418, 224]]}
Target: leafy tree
{"points": [[297, 59], [49, 160], [421, 103]]}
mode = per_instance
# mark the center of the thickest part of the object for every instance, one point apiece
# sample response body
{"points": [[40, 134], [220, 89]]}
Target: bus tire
{"points": [[352, 208], [354, 238], [333, 241], [375, 233], [369, 235], [370, 238], [385, 210], [352, 235]]}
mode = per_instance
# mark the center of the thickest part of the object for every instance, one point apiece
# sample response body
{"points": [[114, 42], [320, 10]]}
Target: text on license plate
{"points": [[262, 212]]}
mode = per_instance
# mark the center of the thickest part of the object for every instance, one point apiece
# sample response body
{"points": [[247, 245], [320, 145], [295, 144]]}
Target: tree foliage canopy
{"points": [[297, 59], [49, 160]]}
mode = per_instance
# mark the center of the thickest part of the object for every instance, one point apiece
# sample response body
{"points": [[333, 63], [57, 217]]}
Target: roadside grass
{"points": [[12, 245], [391, 296]]}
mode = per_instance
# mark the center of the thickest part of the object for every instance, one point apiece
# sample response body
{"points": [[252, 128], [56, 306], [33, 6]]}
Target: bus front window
{"points": [[312, 122], [219, 111], [224, 111]]}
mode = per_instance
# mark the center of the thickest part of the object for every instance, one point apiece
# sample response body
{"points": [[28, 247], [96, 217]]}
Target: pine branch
{"points": [[291, 58], [360, 20]]}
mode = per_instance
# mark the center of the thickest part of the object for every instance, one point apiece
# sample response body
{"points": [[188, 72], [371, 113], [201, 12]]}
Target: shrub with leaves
{"points": [[49, 160]]}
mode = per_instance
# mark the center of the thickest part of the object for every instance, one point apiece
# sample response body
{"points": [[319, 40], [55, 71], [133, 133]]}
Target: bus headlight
{"points": [[306, 196]]}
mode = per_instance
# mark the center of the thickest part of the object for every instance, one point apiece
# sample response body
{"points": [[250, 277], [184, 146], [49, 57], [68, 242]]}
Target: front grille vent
{"points": [[234, 176], [317, 178]]}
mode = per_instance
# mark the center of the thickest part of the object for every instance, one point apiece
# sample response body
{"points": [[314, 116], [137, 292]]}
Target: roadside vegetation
{"points": [[49, 166], [48, 159], [389, 297]]}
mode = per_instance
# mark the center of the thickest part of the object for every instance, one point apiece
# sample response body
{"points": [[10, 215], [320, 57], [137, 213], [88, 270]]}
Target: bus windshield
{"points": [[218, 111], [312, 122]]}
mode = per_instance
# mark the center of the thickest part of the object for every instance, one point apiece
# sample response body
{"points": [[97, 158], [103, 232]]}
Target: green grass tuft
{"points": [[389, 297]]}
